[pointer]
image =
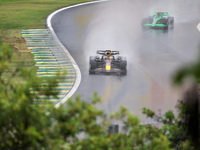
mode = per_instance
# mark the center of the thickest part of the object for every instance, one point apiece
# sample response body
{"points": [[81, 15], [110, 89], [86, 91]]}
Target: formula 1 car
{"points": [[159, 20], [108, 61]]}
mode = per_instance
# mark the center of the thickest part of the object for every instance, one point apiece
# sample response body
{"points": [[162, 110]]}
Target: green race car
{"points": [[159, 20]]}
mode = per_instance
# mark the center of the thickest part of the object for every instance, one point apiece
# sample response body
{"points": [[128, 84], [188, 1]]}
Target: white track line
{"points": [[198, 26], [77, 70]]}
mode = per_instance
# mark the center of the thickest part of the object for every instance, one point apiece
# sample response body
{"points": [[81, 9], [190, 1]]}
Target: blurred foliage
{"points": [[182, 131], [78, 125], [1, 42], [189, 106], [190, 70]]}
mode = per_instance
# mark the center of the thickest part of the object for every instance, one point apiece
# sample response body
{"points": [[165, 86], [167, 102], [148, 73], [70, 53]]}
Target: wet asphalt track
{"points": [[152, 55]]}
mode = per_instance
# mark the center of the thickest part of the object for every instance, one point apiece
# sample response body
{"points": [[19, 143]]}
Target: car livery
{"points": [[108, 61], [159, 20]]}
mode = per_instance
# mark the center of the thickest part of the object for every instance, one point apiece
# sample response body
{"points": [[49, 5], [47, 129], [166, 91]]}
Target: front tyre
{"points": [[90, 70], [92, 65], [171, 22], [144, 21]]}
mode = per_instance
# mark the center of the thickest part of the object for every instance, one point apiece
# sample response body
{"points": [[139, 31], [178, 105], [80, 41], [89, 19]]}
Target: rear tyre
{"points": [[124, 71]]}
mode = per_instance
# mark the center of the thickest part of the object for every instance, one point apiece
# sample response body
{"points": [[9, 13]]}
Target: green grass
{"points": [[16, 15], [25, 61], [29, 14]]}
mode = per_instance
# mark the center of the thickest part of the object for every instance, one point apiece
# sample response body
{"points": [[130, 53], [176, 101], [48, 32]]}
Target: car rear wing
{"points": [[107, 52]]}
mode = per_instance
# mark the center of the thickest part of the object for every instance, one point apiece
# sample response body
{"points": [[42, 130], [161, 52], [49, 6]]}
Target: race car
{"points": [[107, 61], [159, 20]]}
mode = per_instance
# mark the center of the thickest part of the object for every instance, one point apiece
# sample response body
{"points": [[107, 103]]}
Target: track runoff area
{"points": [[50, 59]]}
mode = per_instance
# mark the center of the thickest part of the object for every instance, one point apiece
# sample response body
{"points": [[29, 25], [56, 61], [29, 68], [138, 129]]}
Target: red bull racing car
{"points": [[107, 61]]}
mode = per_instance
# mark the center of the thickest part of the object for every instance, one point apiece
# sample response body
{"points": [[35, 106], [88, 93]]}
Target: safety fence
{"points": [[50, 59]]}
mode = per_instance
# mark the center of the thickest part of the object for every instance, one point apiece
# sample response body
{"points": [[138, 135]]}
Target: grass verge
{"points": [[29, 14], [26, 14]]}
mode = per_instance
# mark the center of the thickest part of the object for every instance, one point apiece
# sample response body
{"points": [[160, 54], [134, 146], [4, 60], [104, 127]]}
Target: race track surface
{"points": [[153, 56]]}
